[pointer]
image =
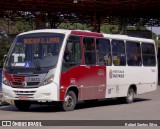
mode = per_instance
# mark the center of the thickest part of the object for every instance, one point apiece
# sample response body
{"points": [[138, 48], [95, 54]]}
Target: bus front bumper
{"points": [[47, 93]]}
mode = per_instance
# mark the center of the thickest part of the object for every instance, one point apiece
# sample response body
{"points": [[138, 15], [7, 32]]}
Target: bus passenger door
{"points": [[93, 82]]}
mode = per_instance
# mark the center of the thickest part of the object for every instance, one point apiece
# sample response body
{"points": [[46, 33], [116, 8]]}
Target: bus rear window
{"points": [[148, 54]]}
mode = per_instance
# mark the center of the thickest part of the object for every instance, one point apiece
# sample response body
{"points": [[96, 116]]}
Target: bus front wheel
{"points": [[70, 101], [22, 105]]}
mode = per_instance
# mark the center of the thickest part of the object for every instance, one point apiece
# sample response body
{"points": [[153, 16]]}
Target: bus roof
{"points": [[127, 38], [86, 33], [47, 31], [89, 33], [64, 31]]}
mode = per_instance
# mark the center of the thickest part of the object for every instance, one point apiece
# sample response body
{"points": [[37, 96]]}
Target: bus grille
{"points": [[18, 83], [24, 93], [28, 84], [18, 78]]}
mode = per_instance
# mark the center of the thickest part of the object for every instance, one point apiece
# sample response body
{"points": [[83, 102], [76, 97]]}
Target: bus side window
{"points": [[118, 53], [103, 50], [89, 51], [148, 54], [133, 53], [72, 53]]}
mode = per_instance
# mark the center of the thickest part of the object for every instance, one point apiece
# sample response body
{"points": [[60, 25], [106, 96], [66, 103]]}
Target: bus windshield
{"points": [[35, 50]]}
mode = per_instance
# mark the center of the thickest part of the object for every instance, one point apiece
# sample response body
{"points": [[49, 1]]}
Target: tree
{"points": [[4, 46]]}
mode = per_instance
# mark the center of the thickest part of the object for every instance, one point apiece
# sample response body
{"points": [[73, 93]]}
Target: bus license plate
{"points": [[32, 79], [23, 98]]}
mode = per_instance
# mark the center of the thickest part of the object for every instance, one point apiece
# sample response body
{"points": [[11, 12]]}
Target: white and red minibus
{"points": [[66, 66]]}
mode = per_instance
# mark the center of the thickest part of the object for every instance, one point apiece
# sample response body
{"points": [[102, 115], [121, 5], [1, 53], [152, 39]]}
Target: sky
{"points": [[156, 30]]}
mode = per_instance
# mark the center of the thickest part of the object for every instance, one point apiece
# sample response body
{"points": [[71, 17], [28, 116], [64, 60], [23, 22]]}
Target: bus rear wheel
{"points": [[70, 101], [130, 95], [22, 105], [129, 98]]}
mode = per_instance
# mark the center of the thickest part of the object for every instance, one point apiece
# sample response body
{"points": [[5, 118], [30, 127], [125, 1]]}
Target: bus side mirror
{"points": [[5, 58]]}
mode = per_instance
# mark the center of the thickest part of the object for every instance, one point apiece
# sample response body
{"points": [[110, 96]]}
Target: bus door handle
{"points": [[153, 70]]}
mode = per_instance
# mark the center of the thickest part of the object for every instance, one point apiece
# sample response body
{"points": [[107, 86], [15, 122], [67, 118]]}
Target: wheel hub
{"points": [[68, 101], [130, 95]]}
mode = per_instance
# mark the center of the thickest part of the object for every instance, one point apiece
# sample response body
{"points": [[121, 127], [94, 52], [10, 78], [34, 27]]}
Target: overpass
{"points": [[86, 7]]}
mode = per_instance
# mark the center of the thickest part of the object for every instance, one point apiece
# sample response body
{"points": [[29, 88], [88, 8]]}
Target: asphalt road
{"points": [[145, 107]]}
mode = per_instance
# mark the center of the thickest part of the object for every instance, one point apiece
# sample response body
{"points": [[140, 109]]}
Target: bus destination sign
{"points": [[41, 40]]}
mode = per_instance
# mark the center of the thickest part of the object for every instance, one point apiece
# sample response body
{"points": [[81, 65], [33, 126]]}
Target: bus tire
{"points": [[130, 95], [70, 101], [22, 105]]}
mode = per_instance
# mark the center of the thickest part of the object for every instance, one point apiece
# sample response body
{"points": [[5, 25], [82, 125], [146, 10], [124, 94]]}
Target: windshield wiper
{"points": [[38, 67], [11, 68]]}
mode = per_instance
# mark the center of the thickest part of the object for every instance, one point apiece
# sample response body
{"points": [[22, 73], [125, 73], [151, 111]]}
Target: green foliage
{"points": [[74, 26], [22, 26], [14, 27], [105, 28], [109, 29], [4, 47]]}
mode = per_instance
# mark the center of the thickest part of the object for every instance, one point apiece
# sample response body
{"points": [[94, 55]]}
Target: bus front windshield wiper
{"points": [[38, 67], [11, 68]]}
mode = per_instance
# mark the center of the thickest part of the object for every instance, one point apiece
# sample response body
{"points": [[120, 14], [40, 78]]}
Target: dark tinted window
{"points": [[72, 53], [118, 53], [89, 51], [148, 54], [103, 49], [133, 50]]}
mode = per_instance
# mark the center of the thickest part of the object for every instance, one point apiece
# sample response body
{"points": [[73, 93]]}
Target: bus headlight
{"points": [[5, 81], [47, 81]]}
